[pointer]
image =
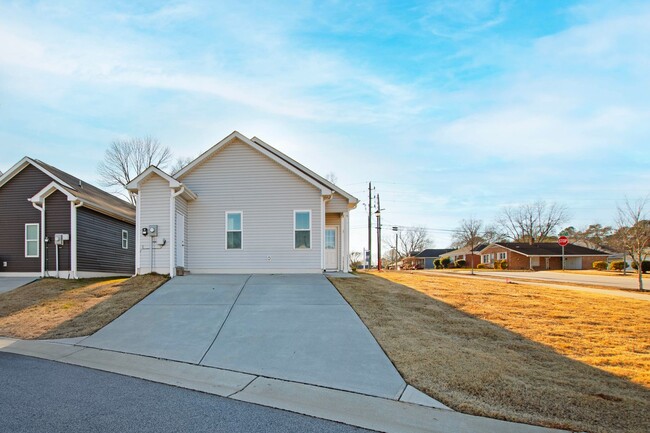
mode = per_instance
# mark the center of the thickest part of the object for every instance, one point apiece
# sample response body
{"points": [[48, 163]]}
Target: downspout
{"points": [[73, 241], [42, 236], [326, 198], [172, 230]]}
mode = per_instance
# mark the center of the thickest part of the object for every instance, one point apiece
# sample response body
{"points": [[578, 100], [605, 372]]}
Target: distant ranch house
{"points": [[471, 256], [424, 259], [56, 225], [541, 256], [241, 207]]}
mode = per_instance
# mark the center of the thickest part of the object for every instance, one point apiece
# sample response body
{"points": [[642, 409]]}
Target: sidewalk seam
{"points": [[226, 319], [244, 388]]}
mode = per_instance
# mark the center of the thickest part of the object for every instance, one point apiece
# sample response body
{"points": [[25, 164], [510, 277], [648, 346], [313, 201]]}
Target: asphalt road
{"points": [[45, 396]]}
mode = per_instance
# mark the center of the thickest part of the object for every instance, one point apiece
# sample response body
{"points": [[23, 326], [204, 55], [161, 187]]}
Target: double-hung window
{"points": [[125, 239], [502, 256], [234, 230], [32, 240], [487, 259], [302, 229]]}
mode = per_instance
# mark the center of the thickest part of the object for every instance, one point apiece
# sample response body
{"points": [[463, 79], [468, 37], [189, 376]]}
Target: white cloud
{"points": [[573, 94]]}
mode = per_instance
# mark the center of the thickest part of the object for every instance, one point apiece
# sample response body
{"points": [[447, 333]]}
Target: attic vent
{"points": [[80, 185]]}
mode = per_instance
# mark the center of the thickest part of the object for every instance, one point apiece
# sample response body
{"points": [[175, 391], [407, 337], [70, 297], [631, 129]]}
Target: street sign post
{"points": [[563, 241]]}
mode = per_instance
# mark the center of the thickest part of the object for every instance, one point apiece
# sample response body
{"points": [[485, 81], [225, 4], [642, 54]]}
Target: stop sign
{"points": [[563, 241]]}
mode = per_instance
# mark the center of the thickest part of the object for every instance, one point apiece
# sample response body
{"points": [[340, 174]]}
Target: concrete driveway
{"points": [[292, 327], [10, 283]]}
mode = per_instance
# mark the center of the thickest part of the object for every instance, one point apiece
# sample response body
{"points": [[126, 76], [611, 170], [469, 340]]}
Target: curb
{"points": [[374, 413]]}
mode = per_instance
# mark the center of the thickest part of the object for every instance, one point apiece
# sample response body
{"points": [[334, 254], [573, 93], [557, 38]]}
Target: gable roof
{"points": [[466, 250], [89, 195], [290, 164], [548, 249], [433, 252], [182, 189]]}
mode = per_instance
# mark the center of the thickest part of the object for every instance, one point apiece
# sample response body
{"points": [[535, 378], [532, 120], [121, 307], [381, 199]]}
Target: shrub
{"points": [[460, 263], [452, 265], [617, 265], [437, 264], [498, 264], [445, 262], [600, 265], [645, 266], [504, 264], [481, 266]]}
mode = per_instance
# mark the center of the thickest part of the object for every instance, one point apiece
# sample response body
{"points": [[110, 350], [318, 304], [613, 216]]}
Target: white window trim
{"points": [[37, 240], [486, 259], [125, 238], [241, 229], [505, 255], [293, 235]]}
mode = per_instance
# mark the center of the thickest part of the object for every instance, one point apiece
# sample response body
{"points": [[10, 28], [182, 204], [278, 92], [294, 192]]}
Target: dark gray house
{"points": [[54, 224]]}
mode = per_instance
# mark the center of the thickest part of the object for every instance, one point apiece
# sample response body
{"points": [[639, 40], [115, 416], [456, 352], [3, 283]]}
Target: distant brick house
{"points": [[541, 256]]}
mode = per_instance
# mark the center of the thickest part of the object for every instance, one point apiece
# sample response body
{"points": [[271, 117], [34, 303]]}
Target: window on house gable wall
{"points": [[302, 229], [502, 256], [32, 241], [486, 259], [234, 230], [125, 240]]}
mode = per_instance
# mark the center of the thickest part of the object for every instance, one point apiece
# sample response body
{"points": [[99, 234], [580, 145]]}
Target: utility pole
{"points": [[370, 224], [378, 214], [395, 229]]}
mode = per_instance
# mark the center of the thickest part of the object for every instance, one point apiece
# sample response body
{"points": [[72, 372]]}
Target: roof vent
{"points": [[80, 184]]}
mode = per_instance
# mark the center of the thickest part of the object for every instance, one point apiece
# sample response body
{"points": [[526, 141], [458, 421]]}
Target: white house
{"points": [[241, 207]]}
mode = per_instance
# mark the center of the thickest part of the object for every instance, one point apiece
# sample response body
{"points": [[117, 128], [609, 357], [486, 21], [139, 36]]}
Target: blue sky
{"points": [[453, 109]]}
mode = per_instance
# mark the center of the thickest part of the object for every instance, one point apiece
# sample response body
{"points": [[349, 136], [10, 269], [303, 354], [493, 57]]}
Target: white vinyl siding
{"points": [[337, 203], [239, 177], [32, 240], [181, 207], [155, 196], [125, 240], [302, 229], [234, 231]]}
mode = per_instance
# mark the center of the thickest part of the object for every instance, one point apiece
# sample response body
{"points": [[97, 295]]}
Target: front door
{"points": [[331, 248], [180, 239]]}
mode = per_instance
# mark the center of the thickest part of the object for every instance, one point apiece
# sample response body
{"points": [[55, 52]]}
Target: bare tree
{"points": [[634, 231], [331, 176], [470, 234], [595, 236], [125, 159], [492, 234], [355, 259], [531, 222], [410, 241], [180, 163]]}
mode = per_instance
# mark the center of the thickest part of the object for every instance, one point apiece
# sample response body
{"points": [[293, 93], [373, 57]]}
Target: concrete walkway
{"points": [[10, 283], [290, 327], [347, 407]]}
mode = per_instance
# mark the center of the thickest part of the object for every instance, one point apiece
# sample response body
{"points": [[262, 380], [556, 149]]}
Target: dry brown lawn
{"points": [[524, 353], [55, 308]]}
